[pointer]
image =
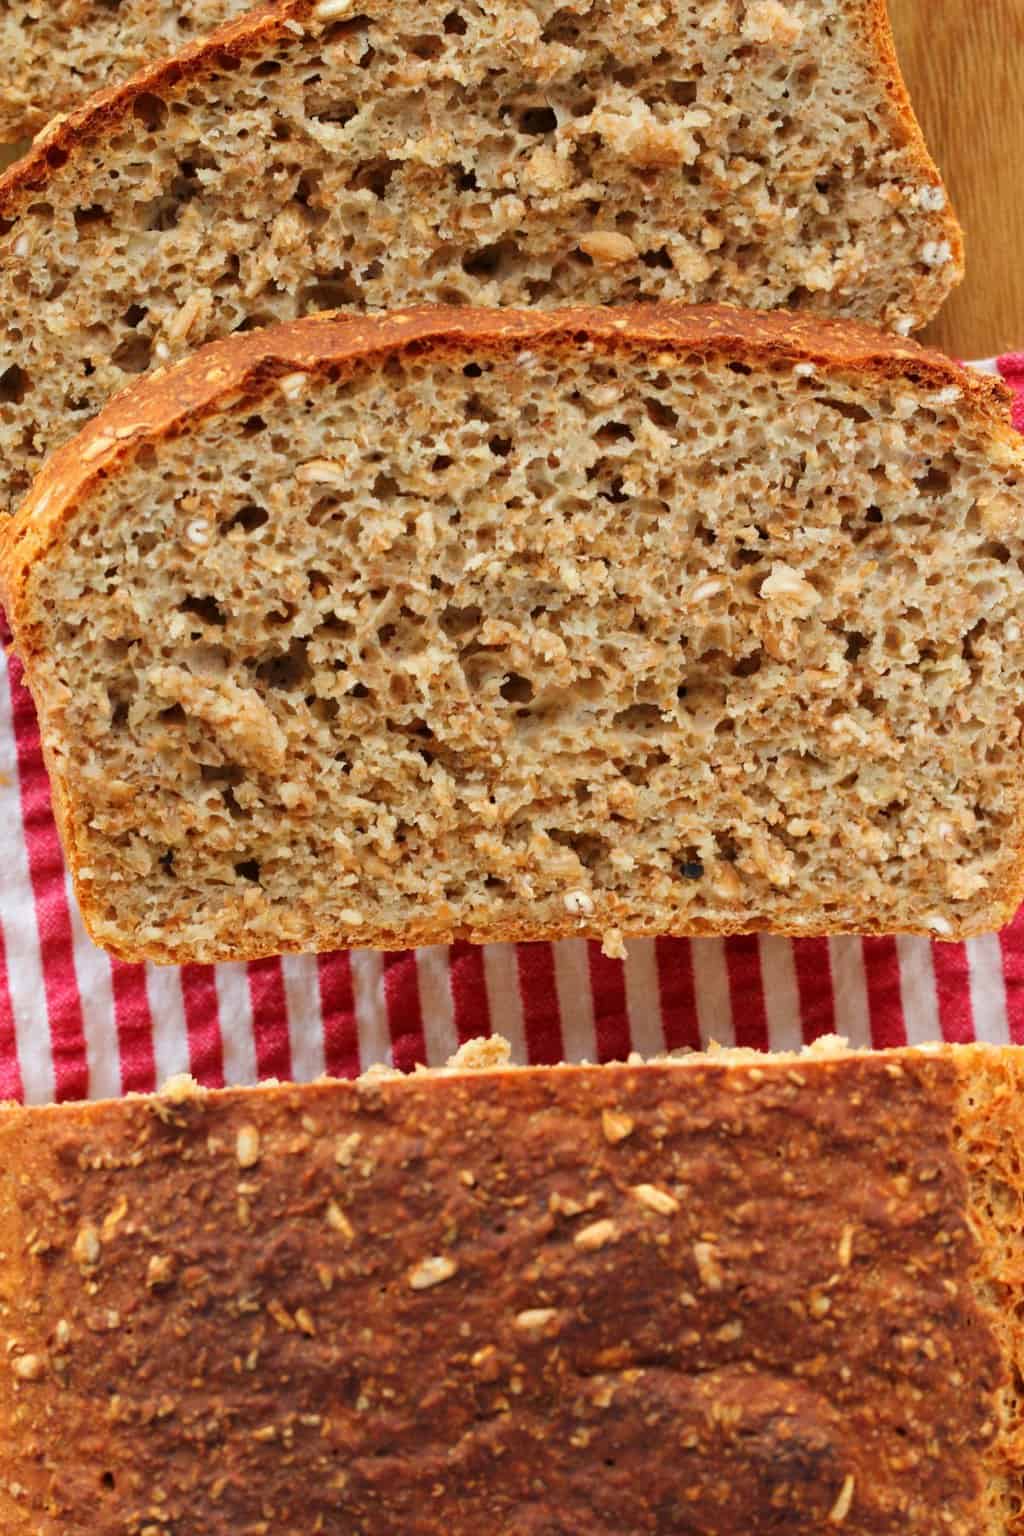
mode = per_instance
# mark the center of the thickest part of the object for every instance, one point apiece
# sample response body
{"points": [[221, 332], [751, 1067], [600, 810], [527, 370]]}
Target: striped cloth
{"points": [[76, 1024]]}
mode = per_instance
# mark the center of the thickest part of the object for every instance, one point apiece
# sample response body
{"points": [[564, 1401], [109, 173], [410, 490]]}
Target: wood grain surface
{"points": [[964, 64]]}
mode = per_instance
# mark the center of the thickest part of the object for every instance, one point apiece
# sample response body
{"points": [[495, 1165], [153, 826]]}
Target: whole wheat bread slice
{"points": [[55, 54], [743, 1295], [494, 625], [321, 156]]}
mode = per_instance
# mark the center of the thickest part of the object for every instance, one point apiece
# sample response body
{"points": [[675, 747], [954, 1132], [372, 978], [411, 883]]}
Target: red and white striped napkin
{"points": [[76, 1024]]}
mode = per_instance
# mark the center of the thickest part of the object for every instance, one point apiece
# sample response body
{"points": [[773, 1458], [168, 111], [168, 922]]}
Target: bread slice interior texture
{"points": [[400, 151], [493, 626], [472, 1299], [55, 54]]}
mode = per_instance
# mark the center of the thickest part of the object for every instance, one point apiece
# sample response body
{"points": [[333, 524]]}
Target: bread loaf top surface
{"points": [[406, 630], [311, 157], [707, 1294]]}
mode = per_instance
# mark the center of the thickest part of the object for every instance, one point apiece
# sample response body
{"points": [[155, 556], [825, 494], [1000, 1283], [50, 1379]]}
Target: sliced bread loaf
{"points": [[55, 54], [496, 625], [322, 155], [750, 1297]]}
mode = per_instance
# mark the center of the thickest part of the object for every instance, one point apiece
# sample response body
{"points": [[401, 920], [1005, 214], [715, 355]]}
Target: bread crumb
{"points": [[247, 1146], [431, 1272], [613, 946], [616, 1126]]}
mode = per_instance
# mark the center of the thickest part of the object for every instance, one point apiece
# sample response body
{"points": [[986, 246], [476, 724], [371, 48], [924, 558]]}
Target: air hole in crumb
{"points": [[662, 415], [455, 25], [14, 385], [994, 550], [288, 670], [95, 214], [248, 869], [426, 46], [614, 432], [337, 112], [174, 714], [855, 644], [538, 120], [749, 666], [359, 691], [682, 92], [873, 515], [134, 315], [517, 690], [150, 111], [133, 355], [248, 519], [935, 483], [638, 717], [373, 175], [501, 447], [489, 261], [205, 608], [848, 409]]}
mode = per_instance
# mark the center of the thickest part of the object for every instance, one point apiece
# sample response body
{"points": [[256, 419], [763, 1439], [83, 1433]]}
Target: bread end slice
{"points": [[452, 1299]]}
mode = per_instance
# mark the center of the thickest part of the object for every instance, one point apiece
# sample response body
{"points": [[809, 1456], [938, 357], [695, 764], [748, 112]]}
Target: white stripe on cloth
{"points": [[18, 918]]}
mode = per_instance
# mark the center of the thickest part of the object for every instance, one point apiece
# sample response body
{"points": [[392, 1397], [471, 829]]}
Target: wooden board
{"points": [[964, 63]]}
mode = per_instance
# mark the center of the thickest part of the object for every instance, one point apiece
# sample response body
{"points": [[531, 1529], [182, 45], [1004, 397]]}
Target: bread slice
{"points": [[54, 55], [492, 625], [741, 1296], [330, 155]]}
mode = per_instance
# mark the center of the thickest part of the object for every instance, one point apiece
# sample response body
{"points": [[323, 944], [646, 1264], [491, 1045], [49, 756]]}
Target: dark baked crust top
{"points": [[732, 1300]]}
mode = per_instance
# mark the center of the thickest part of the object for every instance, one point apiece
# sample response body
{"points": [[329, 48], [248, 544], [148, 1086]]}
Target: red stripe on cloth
{"points": [[814, 983], [11, 1086], [269, 1019], [542, 1015], [405, 1009], [746, 992], [1012, 369], [953, 989], [202, 1021], [134, 1024], [885, 1001], [1011, 943], [53, 917], [469, 991], [338, 1011], [611, 1013], [677, 994]]}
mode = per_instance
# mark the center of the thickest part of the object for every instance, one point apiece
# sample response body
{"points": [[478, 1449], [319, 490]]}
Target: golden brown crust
{"points": [[884, 48], [604, 1300], [230, 374]]}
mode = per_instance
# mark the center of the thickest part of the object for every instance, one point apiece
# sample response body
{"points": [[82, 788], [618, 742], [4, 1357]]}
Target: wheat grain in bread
{"points": [[57, 52], [742, 1295], [494, 625], [314, 156]]}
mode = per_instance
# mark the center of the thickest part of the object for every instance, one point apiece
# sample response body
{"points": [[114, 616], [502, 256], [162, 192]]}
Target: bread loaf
{"points": [[733, 1296], [315, 156], [493, 625], [55, 54]]}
